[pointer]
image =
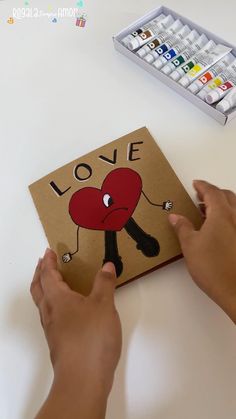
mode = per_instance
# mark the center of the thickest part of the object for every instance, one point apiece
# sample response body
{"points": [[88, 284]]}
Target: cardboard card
{"points": [[112, 205]]}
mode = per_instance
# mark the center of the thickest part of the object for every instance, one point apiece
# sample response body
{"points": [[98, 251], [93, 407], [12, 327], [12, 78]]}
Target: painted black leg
{"points": [[111, 251], [148, 245]]}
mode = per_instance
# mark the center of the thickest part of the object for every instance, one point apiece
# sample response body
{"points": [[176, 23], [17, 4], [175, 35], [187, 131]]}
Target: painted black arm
{"points": [[67, 257]]}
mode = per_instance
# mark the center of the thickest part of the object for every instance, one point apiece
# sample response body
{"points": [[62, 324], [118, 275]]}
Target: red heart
{"points": [[110, 207]]}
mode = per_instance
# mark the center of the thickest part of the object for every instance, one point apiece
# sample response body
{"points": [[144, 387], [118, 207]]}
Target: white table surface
{"points": [[64, 91]]}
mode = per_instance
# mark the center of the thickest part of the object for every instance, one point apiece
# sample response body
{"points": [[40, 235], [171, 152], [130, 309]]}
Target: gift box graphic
{"points": [[81, 21]]}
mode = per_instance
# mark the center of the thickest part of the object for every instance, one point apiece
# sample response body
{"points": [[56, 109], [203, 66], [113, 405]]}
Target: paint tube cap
{"points": [[133, 44], [184, 81], [126, 40], [202, 94], [212, 97], [141, 52], [149, 58], [195, 87], [158, 64], [175, 75], [223, 106], [166, 70]]}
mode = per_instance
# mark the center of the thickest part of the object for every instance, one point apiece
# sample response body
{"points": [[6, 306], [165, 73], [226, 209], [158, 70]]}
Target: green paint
{"points": [[186, 68], [179, 61]]}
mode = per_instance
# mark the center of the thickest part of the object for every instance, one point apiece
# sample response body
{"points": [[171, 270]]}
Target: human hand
{"points": [[210, 253], [83, 335]]}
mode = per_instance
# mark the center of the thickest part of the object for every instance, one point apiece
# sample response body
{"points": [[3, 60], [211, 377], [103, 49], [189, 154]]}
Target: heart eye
{"points": [[107, 200]]}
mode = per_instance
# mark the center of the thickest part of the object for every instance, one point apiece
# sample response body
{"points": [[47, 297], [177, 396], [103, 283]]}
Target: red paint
{"points": [[226, 86], [206, 78], [88, 210]]}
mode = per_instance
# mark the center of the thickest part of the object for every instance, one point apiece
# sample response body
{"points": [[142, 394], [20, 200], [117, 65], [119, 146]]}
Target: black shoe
{"points": [[149, 246]]}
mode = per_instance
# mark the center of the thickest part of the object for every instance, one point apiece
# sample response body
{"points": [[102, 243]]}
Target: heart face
{"points": [[110, 207]]}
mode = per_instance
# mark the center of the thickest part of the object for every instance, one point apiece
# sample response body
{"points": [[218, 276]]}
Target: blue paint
{"points": [[162, 49], [170, 54]]}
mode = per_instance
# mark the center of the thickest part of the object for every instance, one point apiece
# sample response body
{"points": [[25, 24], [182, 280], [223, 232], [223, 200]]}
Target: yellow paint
{"points": [[216, 83], [196, 69]]}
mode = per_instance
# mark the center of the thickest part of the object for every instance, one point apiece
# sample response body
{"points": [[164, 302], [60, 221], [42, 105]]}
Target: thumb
{"points": [[105, 283], [182, 226]]}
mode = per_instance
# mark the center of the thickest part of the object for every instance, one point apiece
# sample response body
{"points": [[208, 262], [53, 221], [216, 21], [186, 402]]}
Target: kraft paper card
{"points": [[112, 205]]}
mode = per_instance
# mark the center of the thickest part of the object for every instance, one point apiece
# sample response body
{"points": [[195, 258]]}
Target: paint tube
{"points": [[186, 55], [228, 102], [171, 41], [196, 86], [204, 64], [148, 25], [220, 91], [221, 79], [173, 52], [180, 72], [149, 34], [160, 39]]}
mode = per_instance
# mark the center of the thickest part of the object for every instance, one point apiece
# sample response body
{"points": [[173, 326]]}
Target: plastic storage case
{"points": [[209, 109]]}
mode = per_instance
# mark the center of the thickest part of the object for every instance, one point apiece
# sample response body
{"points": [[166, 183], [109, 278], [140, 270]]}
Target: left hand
{"points": [[83, 333]]}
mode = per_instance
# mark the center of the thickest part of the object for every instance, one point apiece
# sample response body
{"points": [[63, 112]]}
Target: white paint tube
{"points": [[180, 72], [177, 49], [228, 102], [220, 91], [205, 63], [222, 78], [196, 86], [160, 39], [186, 55], [171, 41], [149, 34], [138, 31]]}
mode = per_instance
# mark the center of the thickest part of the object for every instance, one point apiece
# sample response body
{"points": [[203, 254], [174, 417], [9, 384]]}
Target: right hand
{"points": [[210, 253]]}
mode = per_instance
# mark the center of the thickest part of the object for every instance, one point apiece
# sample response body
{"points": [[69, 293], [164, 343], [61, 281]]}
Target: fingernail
{"points": [[109, 267], [47, 251], [173, 218]]}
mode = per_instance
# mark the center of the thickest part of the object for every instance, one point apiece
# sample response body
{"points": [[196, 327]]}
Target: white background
{"points": [[64, 91]]}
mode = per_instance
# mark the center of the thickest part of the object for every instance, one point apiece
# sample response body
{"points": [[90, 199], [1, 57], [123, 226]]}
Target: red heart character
{"points": [[110, 207]]}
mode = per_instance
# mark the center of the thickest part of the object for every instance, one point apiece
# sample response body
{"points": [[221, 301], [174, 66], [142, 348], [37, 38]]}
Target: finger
{"points": [[50, 275], [52, 281], [202, 208], [49, 260], [36, 287], [213, 197], [231, 197], [183, 228], [36, 277], [105, 283]]}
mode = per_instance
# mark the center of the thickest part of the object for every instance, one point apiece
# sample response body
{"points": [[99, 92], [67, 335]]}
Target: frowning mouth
{"points": [[111, 212]]}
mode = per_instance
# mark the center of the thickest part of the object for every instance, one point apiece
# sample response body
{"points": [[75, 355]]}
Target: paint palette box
{"points": [[222, 118], [112, 205]]}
